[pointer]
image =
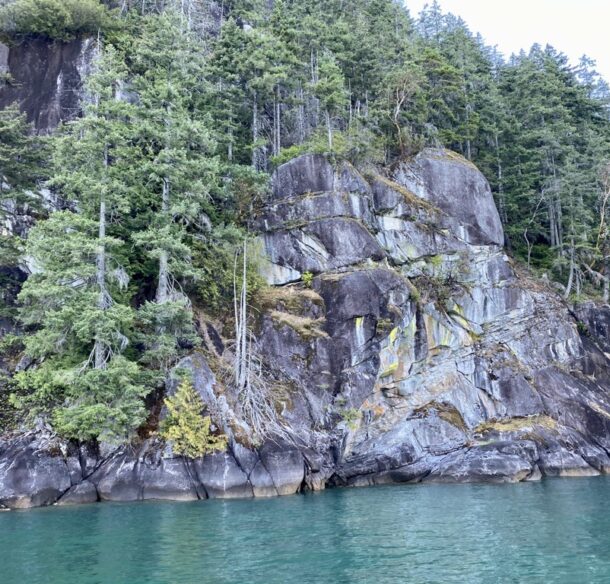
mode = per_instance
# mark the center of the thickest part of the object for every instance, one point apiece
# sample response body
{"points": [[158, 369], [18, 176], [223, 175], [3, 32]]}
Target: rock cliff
{"points": [[46, 79], [412, 350]]}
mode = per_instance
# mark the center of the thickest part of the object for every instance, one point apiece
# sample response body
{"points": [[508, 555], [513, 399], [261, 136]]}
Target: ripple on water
{"points": [[547, 532]]}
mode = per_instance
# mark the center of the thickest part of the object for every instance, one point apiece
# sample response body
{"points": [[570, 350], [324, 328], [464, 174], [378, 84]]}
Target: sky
{"points": [[575, 27]]}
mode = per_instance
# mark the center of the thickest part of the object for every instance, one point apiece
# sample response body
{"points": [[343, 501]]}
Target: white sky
{"points": [[575, 27]]}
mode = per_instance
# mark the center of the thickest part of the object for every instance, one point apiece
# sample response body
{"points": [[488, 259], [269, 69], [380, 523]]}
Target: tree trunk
{"points": [[103, 301], [572, 269], [276, 122], [163, 285], [100, 276], [255, 162], [301, 116], [329, 129]]}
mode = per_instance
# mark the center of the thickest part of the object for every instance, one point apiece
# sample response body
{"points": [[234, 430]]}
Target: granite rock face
{"points": [[413, 351], [47, 79], [434, 359], [33, 472]]}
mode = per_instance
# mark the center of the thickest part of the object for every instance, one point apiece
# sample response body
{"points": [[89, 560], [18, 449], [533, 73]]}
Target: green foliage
{"points": [[356, 145], [307, 279], [162, 187], [351, 417], [215, 259], [54, 19], [186, 428], [105, 404], [23, 166], [11, 344]]}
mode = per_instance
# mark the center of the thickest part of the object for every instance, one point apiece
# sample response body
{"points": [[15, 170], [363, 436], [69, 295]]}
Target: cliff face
{"points": [[46, 79], [449, 365], [418, 353]]}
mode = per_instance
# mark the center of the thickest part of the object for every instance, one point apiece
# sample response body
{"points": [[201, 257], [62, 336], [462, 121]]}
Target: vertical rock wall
{"points": [[46, 79]]}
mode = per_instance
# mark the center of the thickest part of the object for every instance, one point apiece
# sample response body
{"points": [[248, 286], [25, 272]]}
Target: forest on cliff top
{"points": [[153, 186]]}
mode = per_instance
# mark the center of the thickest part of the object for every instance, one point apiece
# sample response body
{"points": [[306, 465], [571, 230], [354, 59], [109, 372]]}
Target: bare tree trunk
{"points": [[501, 195], [100, 269], [103, 301], [329, 129], [572, 270], [241, 322], [276, 122], [255, 157], [163, 285], [301, 116]]}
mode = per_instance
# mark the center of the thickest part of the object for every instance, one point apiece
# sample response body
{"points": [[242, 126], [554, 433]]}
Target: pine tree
{"points": [[23, 158]]}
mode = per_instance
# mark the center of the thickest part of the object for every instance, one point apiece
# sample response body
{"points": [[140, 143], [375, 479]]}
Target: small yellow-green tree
{"points": [[185, 426]]}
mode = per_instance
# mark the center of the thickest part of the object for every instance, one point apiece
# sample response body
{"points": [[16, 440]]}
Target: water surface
{"points": [[553, 531]]}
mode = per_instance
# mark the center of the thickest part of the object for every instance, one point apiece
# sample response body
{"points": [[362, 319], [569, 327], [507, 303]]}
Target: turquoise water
{"points": [[553, 531]]}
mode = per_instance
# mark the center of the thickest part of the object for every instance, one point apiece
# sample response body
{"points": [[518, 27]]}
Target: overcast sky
{"points": [[575, 27]]}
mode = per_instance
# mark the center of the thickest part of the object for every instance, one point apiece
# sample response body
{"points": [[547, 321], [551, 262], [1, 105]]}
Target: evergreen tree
{"points": [[82, 319], [330, 90], [177, 165], [186, 427]]}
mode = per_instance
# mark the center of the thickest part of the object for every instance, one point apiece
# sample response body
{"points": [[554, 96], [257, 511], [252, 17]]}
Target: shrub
{"points": [[307, 279], [215, 260], [351, 417], [185, 426], [54, 19]]}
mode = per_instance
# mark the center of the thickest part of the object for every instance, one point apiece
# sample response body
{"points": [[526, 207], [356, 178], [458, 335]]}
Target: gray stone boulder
{"points": [[136, 475], [285, 465], [498, 462], [459, 190], [595, 323], [48, 79], [314, 173], [318, 218], [222, 477], [322, 245], [33, 472], [80, 494], [310, 173]]}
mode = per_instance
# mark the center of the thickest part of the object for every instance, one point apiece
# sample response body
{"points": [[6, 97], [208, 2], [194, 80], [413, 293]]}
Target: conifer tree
{"points": [[76, 299], [178, 167], [186, 427], [330, 90]]}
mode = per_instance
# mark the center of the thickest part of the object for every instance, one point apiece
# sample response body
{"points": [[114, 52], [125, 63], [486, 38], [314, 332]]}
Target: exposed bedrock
{"points": [[412, 351], [437, 362], [46, 79]]}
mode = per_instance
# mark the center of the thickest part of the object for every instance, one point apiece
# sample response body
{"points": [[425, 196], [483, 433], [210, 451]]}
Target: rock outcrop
{"points": [[46, 79], [411, 347], [428, 357]]}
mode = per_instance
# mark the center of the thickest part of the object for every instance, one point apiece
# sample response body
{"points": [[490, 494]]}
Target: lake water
{"points": [[553, 531]]}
